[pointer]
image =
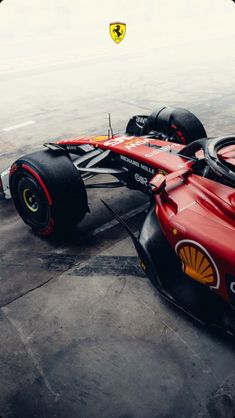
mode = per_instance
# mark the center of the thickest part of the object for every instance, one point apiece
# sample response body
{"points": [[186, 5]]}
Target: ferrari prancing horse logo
{"points": [[117, 31]]}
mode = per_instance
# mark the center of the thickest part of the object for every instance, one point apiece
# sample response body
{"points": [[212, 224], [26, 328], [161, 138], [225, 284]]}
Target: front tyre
{"points": [[48, 192]]}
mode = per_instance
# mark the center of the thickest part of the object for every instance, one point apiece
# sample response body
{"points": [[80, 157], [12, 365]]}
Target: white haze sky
{"points": [[182, 45], [40, 33], [84, 24]]}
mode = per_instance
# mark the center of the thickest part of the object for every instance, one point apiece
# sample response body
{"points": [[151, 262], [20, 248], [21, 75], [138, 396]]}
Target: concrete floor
{"points": [[97, 340], [83, 332]]}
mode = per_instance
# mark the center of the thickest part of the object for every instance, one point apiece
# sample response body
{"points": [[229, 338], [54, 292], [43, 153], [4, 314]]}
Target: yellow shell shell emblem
{"points": [[197, 263], [100, 138], [117, 31]]}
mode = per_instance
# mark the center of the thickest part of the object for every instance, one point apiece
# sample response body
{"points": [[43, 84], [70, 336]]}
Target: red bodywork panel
{"points": [[136, 148], [197, 215]]}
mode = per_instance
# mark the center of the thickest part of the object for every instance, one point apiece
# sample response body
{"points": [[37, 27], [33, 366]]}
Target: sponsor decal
{"points": [[157, 151], [130, 141], [137, 142], [99, 138], [116, 141], [137, 164], [230, 281], [198, 263], [141, 180], [130, 161], [140, 121], [117, 31]]}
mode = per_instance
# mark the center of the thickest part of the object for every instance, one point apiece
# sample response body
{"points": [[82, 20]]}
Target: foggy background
{"points": [[35, 31], [61, 71], [103, 343]]}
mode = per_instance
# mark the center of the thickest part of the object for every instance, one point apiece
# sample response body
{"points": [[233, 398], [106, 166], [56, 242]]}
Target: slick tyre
{"points": [[48, 192], [179, 125]]}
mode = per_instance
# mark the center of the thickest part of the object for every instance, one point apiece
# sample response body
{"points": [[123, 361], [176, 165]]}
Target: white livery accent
{"points": [[5, 183]]}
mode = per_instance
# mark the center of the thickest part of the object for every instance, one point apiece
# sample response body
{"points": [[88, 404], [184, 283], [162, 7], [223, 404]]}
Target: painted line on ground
{"points": [[125, 217], [38, 67], [72, 60], [47, 65], [20, 125]]}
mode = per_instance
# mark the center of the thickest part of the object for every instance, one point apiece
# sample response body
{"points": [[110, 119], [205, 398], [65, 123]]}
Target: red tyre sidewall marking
{"points": [[180, 134], [49, 229], [42, 184]]}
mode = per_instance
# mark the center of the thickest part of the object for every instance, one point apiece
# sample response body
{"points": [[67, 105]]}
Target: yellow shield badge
{"points": [[117, 31]]}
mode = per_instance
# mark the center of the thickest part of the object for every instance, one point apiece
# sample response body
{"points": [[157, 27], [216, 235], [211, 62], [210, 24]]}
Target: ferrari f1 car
{"points": [[187, 242]]}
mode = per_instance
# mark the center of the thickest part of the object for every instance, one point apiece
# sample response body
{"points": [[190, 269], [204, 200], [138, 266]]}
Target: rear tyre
{"points": [[179, 125], [48, 192]]}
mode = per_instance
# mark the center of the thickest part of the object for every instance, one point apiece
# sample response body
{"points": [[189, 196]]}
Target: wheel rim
{"points": [[30, 200], [32, 203]]}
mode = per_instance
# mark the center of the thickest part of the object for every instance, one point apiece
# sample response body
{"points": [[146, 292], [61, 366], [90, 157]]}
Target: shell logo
{"points": [[99, 138], [198, 263]]}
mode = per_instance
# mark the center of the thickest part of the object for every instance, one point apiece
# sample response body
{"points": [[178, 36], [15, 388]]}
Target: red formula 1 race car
{"points": [[187, 242]]}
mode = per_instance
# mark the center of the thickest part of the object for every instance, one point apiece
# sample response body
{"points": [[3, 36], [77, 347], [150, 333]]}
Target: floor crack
{"points": [[27, 292], [33, 356]]}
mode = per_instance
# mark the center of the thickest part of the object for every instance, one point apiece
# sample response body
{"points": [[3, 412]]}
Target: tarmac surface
{"points": [[83, 332]]}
